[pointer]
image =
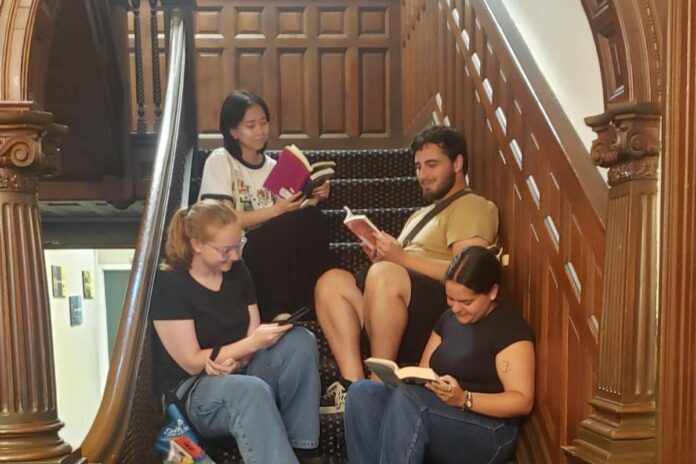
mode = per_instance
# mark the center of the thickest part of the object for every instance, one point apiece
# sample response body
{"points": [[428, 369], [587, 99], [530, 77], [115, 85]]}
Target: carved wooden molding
{"points": [[629, 39], [29, 421], [627, 141], [25, 47], [622, 427], [14, 59], [28, 146]]}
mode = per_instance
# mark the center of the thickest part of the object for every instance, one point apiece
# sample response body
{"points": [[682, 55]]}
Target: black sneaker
{"points": [[333, 401]]}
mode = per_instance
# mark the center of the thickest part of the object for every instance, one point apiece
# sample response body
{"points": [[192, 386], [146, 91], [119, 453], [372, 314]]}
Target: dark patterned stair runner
{"points": [[377, 183]]}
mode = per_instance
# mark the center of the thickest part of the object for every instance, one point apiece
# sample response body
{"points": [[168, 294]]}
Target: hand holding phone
{"points": [[293, 318]]}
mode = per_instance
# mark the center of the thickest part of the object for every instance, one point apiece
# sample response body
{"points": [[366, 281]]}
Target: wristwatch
{"points": [[468, 401]]}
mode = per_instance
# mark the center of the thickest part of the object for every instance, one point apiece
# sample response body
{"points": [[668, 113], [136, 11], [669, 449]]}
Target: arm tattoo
{"points": [[506, 366]]}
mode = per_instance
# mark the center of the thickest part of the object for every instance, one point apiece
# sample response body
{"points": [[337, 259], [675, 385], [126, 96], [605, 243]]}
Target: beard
{"points": [[441, 189]]}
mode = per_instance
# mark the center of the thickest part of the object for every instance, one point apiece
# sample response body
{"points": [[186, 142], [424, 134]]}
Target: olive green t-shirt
{"points": [[467, 217]]}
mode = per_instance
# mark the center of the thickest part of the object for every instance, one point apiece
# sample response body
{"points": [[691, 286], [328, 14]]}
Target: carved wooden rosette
{"points": [[29, 421], [622, 425]]}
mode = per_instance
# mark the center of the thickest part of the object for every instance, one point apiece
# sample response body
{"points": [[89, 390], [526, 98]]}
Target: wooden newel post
{"points": [[29, 421], [622, 427]]}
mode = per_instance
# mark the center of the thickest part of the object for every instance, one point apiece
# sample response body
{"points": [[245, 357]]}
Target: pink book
{"points": [[293, 173]]}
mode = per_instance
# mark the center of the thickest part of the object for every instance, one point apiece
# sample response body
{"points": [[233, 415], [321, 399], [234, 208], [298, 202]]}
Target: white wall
{"points": [[80, 353], [117, 256], [559, 37]]}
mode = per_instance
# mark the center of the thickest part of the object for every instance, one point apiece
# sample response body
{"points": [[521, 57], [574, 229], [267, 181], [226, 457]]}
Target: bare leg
{"points": [[387, 295], [339, 306]]}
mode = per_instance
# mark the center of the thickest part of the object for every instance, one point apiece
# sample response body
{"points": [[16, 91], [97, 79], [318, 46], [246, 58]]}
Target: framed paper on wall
{"points": [[58, 281], [75, 303], [87, 285]]}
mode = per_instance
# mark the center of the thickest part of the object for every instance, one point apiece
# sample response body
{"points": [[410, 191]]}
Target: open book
{"points": [[362, 228], [293, 173], [391, 374]]}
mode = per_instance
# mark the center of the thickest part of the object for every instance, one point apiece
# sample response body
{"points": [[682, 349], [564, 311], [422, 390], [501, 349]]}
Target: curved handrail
{"points": [[105, 438]]}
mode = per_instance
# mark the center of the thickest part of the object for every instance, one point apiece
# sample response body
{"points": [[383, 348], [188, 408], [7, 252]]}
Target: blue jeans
{"points": [[271, 408], [388, 425]]}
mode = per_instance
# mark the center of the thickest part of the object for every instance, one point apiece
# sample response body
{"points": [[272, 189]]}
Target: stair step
{"points": [[351, 164], [390, 220], [395, 192], [364, 164]]}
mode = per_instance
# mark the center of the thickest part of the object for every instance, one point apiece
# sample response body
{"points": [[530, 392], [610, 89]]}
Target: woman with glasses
{"points": [[262, 380], [288, 238]]}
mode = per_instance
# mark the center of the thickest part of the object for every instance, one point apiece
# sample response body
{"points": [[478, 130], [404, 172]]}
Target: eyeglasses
{"points": [[226, 250]]}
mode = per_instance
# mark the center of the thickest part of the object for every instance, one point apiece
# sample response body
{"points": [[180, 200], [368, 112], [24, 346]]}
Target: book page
{"points": [[323, 164], [299, 154], [384, 369], [415, 374], [364, 231]]}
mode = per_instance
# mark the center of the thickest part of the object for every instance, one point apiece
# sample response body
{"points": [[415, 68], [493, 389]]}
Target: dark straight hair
{"points": [[477, 268], [232, 113], [449, 139]]}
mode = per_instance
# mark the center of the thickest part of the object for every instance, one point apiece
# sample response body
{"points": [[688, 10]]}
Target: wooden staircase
{"points": [[378, 183]]}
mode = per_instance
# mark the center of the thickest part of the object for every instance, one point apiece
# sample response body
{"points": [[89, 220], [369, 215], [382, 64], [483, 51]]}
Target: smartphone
{"points": [[295, 317]]}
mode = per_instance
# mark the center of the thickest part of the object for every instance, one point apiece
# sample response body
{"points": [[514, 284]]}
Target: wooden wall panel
{"points": [[249, 69], [293, 113], [677, 392], [256, 45], [459, 70], [332, 81], [373, 92], [209, 65], [311, 62]]}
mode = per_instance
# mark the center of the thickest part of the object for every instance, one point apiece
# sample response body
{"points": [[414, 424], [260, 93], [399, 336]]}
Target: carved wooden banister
{"points": [[105, 440]]}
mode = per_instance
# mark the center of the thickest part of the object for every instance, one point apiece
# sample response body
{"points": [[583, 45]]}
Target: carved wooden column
{"points": [[622, 426], [29, 421], [677, 392]]}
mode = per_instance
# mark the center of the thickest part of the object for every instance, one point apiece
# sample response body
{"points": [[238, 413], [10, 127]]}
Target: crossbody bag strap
{"points": [[180, 402], [437, 209]]}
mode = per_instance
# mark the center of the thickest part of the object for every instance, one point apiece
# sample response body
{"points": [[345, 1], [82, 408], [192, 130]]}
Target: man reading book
{"points": [[401, 296]]}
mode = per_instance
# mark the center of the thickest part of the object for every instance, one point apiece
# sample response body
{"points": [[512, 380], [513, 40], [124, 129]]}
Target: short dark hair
{"points": [[232, 113], [477, 268], [449, 139]]}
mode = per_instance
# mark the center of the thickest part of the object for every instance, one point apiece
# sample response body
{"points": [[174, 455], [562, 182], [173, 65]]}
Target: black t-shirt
{"points": [[468, 351], [220, 317]]}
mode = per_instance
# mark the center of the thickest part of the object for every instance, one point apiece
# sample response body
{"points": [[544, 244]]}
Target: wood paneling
{"points": [[293, 111], [459, 69], [622, 25], [677, 389], [324, 67], [332, 81], [374, 72]]}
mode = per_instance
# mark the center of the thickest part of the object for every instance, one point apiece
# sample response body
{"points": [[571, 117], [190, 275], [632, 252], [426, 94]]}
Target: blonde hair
{"points": [[200, 221]]}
